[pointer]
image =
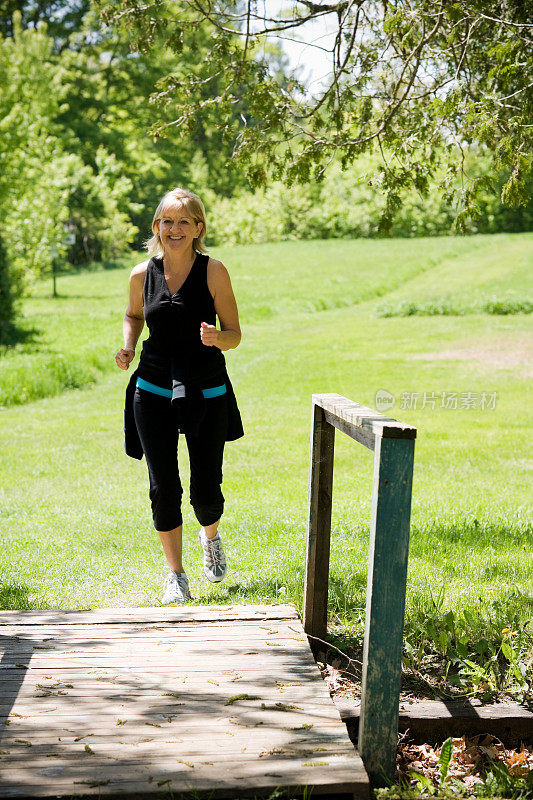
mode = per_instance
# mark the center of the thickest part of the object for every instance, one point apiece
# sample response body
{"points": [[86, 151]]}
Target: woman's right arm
{"points": [[134, 317]]}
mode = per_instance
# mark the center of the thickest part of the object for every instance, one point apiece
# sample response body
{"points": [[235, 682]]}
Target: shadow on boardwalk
{"points": [[224, 702]]}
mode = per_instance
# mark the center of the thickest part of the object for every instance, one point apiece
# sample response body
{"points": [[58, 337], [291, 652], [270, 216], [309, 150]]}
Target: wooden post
{"points": [[393, 446], [318, 524], [385, 606]]}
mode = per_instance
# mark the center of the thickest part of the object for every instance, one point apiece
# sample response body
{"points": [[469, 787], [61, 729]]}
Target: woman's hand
{"points": [[124, 357], [209, 334]]}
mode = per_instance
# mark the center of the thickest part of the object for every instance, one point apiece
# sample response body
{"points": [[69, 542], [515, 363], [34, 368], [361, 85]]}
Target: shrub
{"points": [[453, 307]]}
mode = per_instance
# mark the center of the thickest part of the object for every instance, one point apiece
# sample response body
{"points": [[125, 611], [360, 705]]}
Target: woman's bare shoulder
{"points": [[216, 268], [138, 272]]}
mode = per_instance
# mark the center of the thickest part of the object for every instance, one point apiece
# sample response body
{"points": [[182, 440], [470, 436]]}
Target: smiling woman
{"points": [[179, 214], [181, 383]]}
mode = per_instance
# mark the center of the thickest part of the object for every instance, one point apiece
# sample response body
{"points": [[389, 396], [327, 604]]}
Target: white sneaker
{"points": [[176, 588], [214, 558]]}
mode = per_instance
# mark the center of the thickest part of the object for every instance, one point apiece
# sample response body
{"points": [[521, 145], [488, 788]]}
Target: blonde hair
{"points": [[194, 209]]}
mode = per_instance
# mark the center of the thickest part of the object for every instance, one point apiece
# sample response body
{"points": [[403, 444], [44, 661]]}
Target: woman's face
{"points": [[177, 230]]}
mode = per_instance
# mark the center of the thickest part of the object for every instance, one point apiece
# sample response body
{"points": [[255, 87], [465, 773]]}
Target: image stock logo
{"points": [[384, 400], [484, 401]]}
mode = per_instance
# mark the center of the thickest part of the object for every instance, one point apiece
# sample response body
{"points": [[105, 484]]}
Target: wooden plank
{"points": [[153, 644], [187, 734], [178, 674], [243, 729], [261, 712], [356, 416], [385, 606], [160, 750], [239, 728], [360, 434], [328, 776], [235, 661], [186, 613], [181, 692], [434, 720], [14, 633], [182, 673], [150, 760], [125, 628], [204, 686], [258, 646], [65, 705], [318, 523]]}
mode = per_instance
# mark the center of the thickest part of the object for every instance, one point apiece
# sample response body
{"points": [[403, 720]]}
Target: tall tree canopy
{"points": [[61, 18], [418, 81]]}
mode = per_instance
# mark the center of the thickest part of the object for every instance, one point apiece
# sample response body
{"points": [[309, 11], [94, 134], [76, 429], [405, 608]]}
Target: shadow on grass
{"points": [[13, 334], [258, 590], [14, 597], [96, 266], [67, 297]]}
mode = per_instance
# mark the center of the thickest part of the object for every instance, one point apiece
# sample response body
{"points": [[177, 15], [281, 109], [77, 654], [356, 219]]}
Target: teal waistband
{"points": [[214, 391], [151, 387]]}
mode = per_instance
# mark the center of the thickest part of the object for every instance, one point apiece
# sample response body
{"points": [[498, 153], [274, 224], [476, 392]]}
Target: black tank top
{"points": [[174, 357], [174, 347]]}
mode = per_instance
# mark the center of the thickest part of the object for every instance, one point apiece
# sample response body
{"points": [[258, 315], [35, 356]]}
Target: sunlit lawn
{"points": [[74, 509]]}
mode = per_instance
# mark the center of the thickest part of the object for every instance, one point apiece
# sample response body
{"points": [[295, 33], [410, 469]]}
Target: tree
{"points": [[75, 120], [43, 186], [417, 81], [33, 173], [61, 17], [108, 86]]}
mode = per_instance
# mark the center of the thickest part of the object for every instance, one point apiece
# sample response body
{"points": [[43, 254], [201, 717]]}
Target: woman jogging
{"points": [[181, 384]]}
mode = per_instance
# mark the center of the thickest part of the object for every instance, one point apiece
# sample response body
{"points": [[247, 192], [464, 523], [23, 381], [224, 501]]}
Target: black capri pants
{"points": [[158, 431]]}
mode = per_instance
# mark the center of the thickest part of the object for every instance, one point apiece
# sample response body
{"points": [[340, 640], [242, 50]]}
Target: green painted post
{"points": [[385, 606]]}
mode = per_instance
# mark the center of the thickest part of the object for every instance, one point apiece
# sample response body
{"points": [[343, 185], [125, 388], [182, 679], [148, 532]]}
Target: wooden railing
{"points": [[393, 446]]}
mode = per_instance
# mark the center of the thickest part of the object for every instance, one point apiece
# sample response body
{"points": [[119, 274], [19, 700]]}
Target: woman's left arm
{"points": [[219, 284]]}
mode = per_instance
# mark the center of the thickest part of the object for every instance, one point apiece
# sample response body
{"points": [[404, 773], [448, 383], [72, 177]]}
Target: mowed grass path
{"points": [[74, 509]]}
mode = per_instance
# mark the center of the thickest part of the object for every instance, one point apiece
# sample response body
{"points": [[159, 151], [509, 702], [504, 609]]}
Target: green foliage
{"points": [[423, 783], [96, 202], [44, 186], [75, 108], [409, 82], [61, 18], [51, 356], [28, 379], [496, 781], [454, 306], [33, 179], [499, 782], [486, 652], [505, 306], [445, 759], [352, 204], [108, 106]]}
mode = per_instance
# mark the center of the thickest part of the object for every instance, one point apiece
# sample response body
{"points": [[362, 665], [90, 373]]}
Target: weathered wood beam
{"points": [[318, 524], [360, 418]]}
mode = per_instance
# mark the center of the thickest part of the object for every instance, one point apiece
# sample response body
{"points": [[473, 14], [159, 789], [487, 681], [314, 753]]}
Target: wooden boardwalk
{"points": [[154, 702]]}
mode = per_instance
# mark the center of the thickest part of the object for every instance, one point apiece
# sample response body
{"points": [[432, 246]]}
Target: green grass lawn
{"points": [[74, 510]]}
